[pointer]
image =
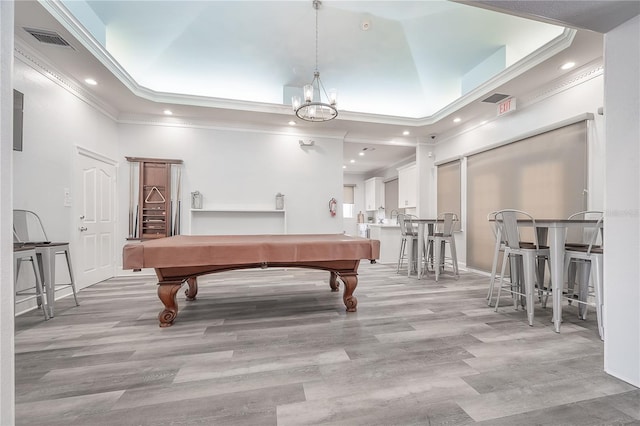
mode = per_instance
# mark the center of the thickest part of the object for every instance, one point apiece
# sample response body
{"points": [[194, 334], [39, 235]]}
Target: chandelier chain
{"points": [[320, 109], [316, 5]]}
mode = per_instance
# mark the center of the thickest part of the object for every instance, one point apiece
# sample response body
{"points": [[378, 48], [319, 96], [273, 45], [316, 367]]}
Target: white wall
{"points": [[427, 196], [622, 236], [584, 97], [392, 171], [350, 224], [7, 362], [55, 121], [242, 169], [231, 168]]}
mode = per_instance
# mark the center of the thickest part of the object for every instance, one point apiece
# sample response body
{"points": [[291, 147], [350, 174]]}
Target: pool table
{"points": [[182, 258]]}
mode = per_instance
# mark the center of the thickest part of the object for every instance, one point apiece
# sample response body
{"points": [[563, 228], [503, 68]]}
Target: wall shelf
{"points": [[239, 210], [237, 221]]}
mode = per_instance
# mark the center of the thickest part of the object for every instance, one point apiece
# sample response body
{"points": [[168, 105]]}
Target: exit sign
{"points": [[507, 106]]}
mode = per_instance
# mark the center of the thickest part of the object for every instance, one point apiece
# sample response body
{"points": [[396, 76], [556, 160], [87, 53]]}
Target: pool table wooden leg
{"points": [[350, 282], [167, 293], [333, 282], [192, 290]]}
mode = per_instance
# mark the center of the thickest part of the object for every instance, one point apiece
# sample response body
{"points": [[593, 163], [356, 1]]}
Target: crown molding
{"points": [[33, 59], [371, 141], [69, 21], [582, 75], [95, 155], [540, 55], [152, 120]]}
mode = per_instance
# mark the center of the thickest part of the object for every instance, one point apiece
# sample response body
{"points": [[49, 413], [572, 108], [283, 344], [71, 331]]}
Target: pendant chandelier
{"points": [[324, 108]]}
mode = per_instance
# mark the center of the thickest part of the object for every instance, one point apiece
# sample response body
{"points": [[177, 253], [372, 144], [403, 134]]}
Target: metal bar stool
{"points": [[28, 228], [590, 258], [528, 253], [436, 244]]}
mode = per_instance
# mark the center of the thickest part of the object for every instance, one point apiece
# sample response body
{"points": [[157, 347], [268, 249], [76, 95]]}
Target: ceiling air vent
{"points": [[495, 98], [48, 37]]}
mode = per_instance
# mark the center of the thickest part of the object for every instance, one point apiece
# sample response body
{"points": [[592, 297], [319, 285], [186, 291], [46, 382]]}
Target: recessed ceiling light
{"points": [[292, 123], [90, 81], [406, 133], [457, 120], [361, 154], [352, 161], [568, 65], [168, 112], [344, 167], [484, 122]]}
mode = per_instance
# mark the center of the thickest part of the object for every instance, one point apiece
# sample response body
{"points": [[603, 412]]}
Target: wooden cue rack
{"points": [[155, 210]]}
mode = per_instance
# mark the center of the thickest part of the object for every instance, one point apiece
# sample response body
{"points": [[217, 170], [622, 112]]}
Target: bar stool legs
{"points": [[48, 270], [21, 254], [438, 245], [403, 244], [589, 265]]}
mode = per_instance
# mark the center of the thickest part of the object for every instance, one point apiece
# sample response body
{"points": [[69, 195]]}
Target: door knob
{"points": [[82, 228]]}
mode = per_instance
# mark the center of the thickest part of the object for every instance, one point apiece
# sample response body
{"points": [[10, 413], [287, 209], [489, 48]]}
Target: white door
{"points": [[95, 213]]}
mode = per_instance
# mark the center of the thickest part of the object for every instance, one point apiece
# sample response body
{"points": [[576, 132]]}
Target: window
{"points": [[391, 198], [348, 204], [449, 190], [544, 175]]}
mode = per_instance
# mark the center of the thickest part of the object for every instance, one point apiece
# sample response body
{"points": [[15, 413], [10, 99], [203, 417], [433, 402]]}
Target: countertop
{"points": [[384, 225]]}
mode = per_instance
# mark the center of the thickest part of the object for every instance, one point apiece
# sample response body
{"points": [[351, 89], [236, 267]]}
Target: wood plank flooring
{"points": [[276, 347]]}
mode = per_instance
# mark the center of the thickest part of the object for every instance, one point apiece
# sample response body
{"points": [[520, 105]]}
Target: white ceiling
{"points": [[415, 58], [148, 56]]}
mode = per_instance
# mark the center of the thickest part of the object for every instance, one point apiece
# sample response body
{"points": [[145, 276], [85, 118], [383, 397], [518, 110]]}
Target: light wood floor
{"points": [[276, 347]]}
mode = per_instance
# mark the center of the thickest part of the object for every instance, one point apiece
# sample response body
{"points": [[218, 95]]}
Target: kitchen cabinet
{"points": [[390, 239], [407, 186], [373, 193]]}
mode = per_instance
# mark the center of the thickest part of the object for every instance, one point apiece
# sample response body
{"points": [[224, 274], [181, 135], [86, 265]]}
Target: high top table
{"points": [[552, 232], [421, 224]]}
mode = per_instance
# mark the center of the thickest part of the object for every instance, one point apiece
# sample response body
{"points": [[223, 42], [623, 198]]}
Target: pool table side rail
{"points": [[197, 251]]}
